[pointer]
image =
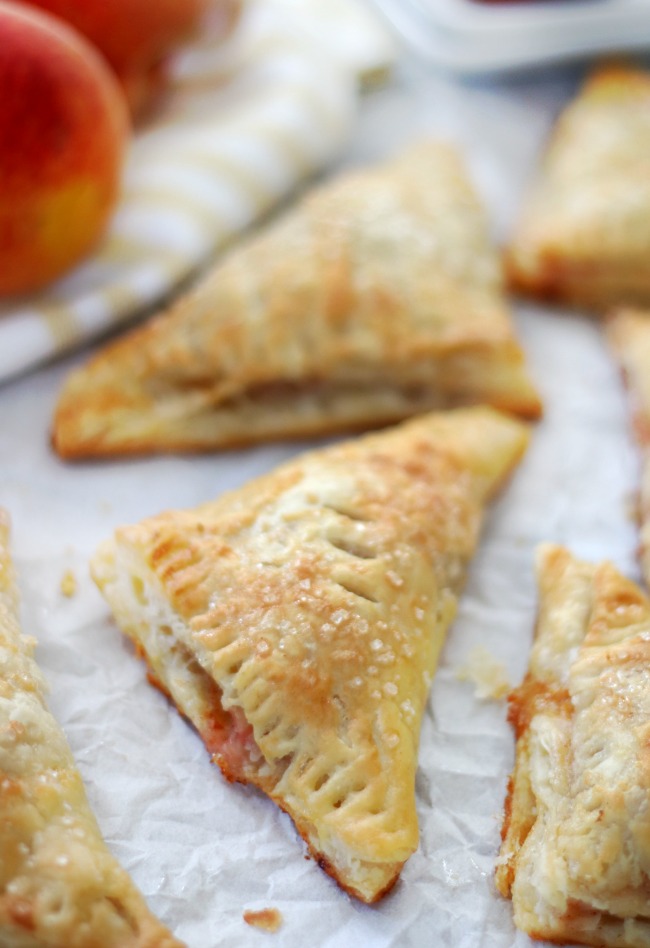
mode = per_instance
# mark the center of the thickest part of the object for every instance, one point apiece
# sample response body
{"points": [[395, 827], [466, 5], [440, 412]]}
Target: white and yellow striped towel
{"points": [[245, 122]]}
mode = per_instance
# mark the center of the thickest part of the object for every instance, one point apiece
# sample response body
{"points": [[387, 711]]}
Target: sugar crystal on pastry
{"points": [[377, 297], [575, 857], [60, 887], [308, 690], [584, 233]]}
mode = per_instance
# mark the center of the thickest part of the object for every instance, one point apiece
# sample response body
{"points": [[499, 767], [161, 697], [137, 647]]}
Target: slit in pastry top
{"points": [[575, 857], [297, 622], [378, 296], [59, 885]]}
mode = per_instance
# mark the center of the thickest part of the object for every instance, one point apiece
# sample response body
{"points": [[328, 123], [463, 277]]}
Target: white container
{"points": [[471, 37]]}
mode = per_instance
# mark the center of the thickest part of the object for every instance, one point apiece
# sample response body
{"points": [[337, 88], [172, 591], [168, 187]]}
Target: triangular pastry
{"points": [[584, 235], [297, 622], [59, 885], [575, 857], [628, 332], [377, 297]]}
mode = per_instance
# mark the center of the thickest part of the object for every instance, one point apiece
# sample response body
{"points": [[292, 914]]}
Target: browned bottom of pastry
{"points": [[592, 284], [234, 774], [327, 867]]}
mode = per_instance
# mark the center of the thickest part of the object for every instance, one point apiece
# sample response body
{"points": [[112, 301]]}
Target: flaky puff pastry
{"points": [[628, 333], [297, 623], [59, 885], [377, 297], [584, 235], [575, 857]]}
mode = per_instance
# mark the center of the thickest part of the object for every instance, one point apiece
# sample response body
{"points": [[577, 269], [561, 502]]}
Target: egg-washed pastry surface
{"points": [[584, 235], [628, 332], [297, 622], [575, 857], [377, 297], [59, 885]]}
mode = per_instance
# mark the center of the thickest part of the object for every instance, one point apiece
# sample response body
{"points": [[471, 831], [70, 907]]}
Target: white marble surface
{"points": [[202, 850]]}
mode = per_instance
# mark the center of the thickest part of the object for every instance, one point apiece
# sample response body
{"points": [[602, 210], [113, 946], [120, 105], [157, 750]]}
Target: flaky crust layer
{"points": [[575, 857], [374, 299], [59, 885], [310, 607], [584, 235]]}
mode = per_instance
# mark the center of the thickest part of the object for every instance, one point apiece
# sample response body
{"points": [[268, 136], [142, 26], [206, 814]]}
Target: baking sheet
{"points": [[202, 850]]}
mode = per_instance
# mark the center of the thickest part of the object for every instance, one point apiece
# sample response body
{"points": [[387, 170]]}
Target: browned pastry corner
{"points": [[575, 857], [297, 622], [59, 885], [628, 332], [377, 297], [584, 234]]}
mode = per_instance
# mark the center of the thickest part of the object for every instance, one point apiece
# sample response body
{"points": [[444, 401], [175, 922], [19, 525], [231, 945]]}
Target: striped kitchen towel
{"points": [[244, 123]]}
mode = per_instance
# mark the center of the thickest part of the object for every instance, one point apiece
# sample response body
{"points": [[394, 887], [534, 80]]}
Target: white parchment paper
{"points": [[201, 850]]}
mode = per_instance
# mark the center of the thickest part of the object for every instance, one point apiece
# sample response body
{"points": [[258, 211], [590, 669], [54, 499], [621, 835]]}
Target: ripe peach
{"points": [[63, 129], [135, 36]]}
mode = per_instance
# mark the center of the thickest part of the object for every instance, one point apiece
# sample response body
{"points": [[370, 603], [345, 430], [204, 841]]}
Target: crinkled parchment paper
{"points": [[202, 850]]}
